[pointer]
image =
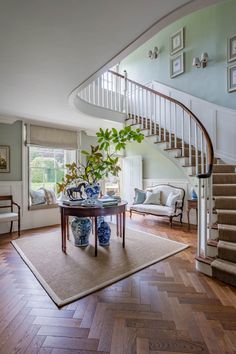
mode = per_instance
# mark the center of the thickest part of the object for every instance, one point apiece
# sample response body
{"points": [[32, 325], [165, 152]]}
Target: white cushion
{"points": [[153, 198], [166, 190], [5, 217], [172, 199], [153, 209]]}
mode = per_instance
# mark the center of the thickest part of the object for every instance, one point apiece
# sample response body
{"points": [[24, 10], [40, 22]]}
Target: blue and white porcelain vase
{"points": [[81, 228], [104, 232], [92, 192], [193, 194]]}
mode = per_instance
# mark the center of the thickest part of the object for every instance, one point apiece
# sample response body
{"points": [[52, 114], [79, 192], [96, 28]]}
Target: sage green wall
{"points": [[205, 31], [155, 165], [11, 134]]}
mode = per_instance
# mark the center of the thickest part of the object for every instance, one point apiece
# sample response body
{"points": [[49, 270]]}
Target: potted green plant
{"points": [[101, 161]]}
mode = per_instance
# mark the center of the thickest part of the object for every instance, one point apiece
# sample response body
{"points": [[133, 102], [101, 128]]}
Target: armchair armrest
{"points": [[179, 204], [17, 205]]}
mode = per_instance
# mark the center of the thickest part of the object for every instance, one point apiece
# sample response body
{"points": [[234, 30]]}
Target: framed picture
{"points": [[177, 41], [231, 78], [177, 65], [4, 158], [232, 48]]}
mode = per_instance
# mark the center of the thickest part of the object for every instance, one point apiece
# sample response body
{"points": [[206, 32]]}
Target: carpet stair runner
{"points": [[224, 194]]}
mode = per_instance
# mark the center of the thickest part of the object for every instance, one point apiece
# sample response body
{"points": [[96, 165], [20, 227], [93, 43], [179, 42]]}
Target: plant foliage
{"points": [[101, 160]]}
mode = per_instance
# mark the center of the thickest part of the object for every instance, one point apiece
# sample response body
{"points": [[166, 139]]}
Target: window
{"points": [[47, 166]]}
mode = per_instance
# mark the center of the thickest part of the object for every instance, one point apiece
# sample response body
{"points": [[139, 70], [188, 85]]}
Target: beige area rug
{"points": [[69, 277]]}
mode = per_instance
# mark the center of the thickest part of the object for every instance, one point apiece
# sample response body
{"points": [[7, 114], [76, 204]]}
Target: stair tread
{"points": [[226, 266], [224, 164], [226, 227], [228, 197], [224, 184], [227, 245], [224, 174], [226, 211]]}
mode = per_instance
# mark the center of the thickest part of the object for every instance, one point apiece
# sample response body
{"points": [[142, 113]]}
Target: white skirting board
{"points": [[29, 218]]}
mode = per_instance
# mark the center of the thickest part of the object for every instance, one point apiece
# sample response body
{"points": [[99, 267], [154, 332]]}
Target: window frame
{"points": [[43, 206]]}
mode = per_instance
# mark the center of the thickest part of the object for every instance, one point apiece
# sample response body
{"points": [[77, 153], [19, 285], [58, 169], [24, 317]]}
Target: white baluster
{"points": [[135, 101], [119, 93], [99, 90], [139, 102], [93, 92], [107, 90], [189, 140], [199, 216], [202, 153], [170, 125], [210, 207], [159, 130], [183, 152], [116, 91], [164, 119], [126, 93], [111, 92], [155, 113], [103, 91], [175, 112], [205, 215], [196, 147]]}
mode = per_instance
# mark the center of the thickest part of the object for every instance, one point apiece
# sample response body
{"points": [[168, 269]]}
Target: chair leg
{"points": [[19, 227], [11, 226], [171, 224]]}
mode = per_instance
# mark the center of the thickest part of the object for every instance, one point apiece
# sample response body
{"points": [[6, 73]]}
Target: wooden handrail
{"points": [[187, 110]]}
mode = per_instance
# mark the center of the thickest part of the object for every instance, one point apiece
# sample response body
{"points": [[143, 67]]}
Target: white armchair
{"points": [[9, 216]]}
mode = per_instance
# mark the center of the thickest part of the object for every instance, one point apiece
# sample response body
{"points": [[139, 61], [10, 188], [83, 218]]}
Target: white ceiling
{"points": [[48, 47]]}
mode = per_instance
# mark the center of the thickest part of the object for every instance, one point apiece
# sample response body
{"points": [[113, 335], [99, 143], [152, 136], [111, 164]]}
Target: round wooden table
{"points": [[92, 212]]}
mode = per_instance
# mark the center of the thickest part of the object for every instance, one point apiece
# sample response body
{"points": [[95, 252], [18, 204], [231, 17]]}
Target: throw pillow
{"points": [[49, 195], [172, 199], [37, 197], [139, 197], [153, 198]]}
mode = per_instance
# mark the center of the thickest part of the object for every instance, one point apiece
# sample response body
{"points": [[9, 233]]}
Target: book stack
{"points": [[73, 202], [108, 201]]}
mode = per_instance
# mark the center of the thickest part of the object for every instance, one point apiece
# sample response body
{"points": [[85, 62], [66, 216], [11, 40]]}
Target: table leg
{"points": [[117, 225], [124, 230], [120, 225], [63, 231], [96, 237], [188, 219], [196, 216], [67, 227]]}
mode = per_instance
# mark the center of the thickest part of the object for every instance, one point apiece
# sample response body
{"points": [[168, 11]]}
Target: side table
{"points": [[191, 204]]}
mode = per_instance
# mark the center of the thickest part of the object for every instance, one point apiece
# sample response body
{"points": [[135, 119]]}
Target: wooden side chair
{"points": [[9, 216]]}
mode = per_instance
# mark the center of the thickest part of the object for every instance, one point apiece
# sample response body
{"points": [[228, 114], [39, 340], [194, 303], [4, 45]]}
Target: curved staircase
{"points": [[178, 134]]}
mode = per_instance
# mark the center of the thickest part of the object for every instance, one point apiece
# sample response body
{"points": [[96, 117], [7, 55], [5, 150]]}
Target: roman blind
{"points": [[51, 137]]}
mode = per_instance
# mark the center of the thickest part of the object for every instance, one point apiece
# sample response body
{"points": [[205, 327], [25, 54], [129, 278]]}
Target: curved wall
{"points": [[206, 30]]}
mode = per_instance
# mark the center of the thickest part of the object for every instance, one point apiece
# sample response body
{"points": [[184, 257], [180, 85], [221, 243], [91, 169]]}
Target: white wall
{"points": [[219, 121]]}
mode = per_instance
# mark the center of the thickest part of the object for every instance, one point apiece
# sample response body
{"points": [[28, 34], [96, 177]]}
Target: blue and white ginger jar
{"points": [[92, 192], [81, 229], [104, 232]]}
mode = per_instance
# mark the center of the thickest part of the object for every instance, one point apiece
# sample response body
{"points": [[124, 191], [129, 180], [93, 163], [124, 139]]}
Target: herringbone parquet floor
{"points": [[166, 308]]}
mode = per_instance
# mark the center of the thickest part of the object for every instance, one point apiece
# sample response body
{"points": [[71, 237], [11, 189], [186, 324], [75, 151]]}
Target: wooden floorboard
{"points": [[166, 308]]}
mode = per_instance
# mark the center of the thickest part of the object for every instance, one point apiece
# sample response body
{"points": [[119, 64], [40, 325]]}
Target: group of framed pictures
{"points": [[4, 158], [177, 61], [231, 70]]}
